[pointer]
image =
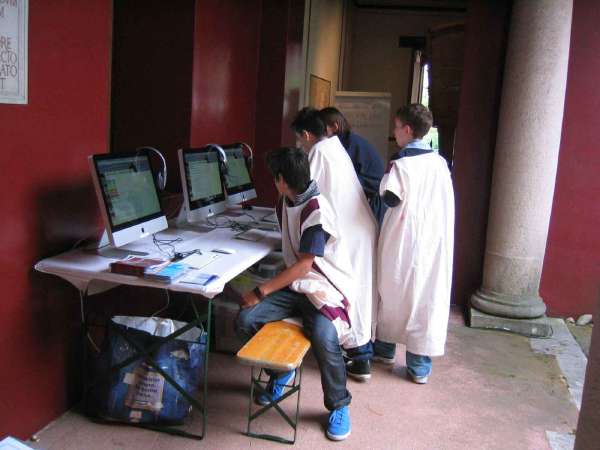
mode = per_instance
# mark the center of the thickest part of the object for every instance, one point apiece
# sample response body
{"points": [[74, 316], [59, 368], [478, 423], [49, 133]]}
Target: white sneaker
{"points": [[419, 380]]}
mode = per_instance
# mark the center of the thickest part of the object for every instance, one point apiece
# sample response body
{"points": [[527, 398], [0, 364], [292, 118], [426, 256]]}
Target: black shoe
{"points": [[359, 370]]}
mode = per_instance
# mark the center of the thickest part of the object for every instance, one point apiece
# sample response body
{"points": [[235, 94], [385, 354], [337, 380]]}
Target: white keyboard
{"points": [[264, 225], [198, 261], [272, 217], [252, 234]]}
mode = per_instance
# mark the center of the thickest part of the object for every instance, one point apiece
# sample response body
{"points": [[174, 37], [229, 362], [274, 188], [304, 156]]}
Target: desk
{"points": [[90, 274]]}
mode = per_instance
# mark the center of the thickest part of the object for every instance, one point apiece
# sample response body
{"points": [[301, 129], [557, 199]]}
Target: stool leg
{"points": [[251, 398], [298, 402], [294, 389]]}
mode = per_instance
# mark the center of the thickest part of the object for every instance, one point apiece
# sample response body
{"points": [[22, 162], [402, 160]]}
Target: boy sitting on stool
{"points": [[318, 267]]}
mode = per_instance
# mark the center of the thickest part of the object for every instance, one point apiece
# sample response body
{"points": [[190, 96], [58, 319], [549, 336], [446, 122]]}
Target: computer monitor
{"points": [[201, 182], [127, 196], [237, 180]]}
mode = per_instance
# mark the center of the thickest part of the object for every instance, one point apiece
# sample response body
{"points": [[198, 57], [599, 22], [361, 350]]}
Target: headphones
{"points": [[251, 157], [222, 157], [161, 176]]}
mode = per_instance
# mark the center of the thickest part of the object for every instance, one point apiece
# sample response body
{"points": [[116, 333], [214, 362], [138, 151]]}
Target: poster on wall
{"points": [[369, 115], [320, 92], [13, 51]]}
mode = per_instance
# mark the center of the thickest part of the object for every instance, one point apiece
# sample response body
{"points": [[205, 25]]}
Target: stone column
{"points": [[525, 160]]}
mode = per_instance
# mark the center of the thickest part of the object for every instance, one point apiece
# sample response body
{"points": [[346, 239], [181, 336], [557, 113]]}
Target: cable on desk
{"points": [[229, 223], [216, 224], [169, 243]]}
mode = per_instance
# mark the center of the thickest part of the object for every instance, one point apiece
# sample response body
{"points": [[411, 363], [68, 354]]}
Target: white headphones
{"points": [[161, 177], [222, 159]]}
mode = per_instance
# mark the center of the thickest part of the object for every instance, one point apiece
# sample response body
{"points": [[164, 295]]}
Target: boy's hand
{"points": [[249, 299]]}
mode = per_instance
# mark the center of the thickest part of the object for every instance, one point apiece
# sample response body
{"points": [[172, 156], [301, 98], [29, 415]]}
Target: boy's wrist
{"points": [[259, 294]]}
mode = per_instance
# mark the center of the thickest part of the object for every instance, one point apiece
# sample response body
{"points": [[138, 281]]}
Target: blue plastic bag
{"points": [[138, 393]]}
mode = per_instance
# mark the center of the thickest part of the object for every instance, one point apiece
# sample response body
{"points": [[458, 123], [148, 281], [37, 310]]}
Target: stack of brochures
{"points": [[196, 277], [138, 266], [169, 274]]}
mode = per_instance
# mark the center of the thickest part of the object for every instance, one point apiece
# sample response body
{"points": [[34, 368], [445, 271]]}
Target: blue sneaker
{"points": [[339, 424], [418, 367], [275, 387]]}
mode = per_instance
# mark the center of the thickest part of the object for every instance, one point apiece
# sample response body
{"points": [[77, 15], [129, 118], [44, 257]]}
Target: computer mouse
{"points": [[223, 250]]}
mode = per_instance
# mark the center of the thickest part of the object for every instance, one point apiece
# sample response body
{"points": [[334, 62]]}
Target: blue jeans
{"points": [[321, 332], [362, 353], [418, 365]]}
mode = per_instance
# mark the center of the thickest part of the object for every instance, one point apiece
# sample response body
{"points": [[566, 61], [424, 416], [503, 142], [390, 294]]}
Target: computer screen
{"points": [[201, 183], [128, 196], [237, 181]]}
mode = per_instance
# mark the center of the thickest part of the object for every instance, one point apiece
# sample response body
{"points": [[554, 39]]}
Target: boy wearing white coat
{"points": [[415, 248], [332, 169]]}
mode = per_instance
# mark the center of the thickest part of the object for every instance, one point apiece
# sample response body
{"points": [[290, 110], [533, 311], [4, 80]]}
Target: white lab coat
{"points": [[332, 169], [415, 254], [329, 284]]}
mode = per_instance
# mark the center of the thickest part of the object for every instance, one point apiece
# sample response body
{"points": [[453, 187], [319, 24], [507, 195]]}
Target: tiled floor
{"points": [[490, 391]]}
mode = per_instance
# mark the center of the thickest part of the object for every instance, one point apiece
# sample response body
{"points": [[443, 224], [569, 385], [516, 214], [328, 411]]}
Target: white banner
{"points": [[13, 51]]}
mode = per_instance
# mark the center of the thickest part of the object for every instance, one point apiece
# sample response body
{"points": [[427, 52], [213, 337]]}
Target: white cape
{"points": [[330, 278], [332, 169], [415, 255]]}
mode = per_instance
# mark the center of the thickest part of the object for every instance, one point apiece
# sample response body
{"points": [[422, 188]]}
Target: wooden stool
{"points": [[278, 346]]}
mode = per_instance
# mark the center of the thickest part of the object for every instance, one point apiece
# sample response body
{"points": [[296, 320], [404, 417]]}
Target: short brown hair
{"points": [[292, 165], [332, 116], [418, 117]]}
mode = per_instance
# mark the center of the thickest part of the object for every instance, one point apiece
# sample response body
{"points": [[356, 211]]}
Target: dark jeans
{"points": [[385, 349], [321, 332], [362, 353]]}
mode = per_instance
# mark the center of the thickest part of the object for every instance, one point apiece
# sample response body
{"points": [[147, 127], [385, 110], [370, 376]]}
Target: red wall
{"points": [[226, 45], [48, 203], [571, 276], [152, 78], [245, 86], [278, 94], [485, 47]]}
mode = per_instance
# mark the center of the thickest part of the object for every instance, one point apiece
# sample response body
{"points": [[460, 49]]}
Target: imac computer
{"points": [[201, 183], [237, 180], [128, 197]]}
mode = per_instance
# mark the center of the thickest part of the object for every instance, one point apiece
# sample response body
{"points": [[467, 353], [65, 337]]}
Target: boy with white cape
{"points": [[415, 248], [314, 285], [332, 169]]}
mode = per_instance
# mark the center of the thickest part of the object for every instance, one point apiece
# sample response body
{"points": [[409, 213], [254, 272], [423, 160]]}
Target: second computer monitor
{"points": [[237, 180], [201, 183]]}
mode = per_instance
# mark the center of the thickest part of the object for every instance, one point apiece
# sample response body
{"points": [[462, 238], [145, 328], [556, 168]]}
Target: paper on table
{"points": [[198, 261]]}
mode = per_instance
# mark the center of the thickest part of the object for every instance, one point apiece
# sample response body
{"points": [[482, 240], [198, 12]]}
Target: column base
{"points": [[512, 307], [539, 328]]}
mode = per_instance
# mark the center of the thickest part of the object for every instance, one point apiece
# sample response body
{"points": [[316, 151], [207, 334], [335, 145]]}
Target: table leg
{"points": [[84, 350], [208, 333]]}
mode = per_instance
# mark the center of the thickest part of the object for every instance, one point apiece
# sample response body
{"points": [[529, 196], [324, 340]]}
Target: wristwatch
{"points": [[258, 293]]}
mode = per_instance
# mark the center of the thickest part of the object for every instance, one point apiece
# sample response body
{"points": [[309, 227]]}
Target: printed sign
{"points": [[146, 389], [13, 51]]}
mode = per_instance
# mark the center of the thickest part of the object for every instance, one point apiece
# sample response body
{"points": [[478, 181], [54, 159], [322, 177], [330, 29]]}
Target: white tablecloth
{"points": [[90, 273]]}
